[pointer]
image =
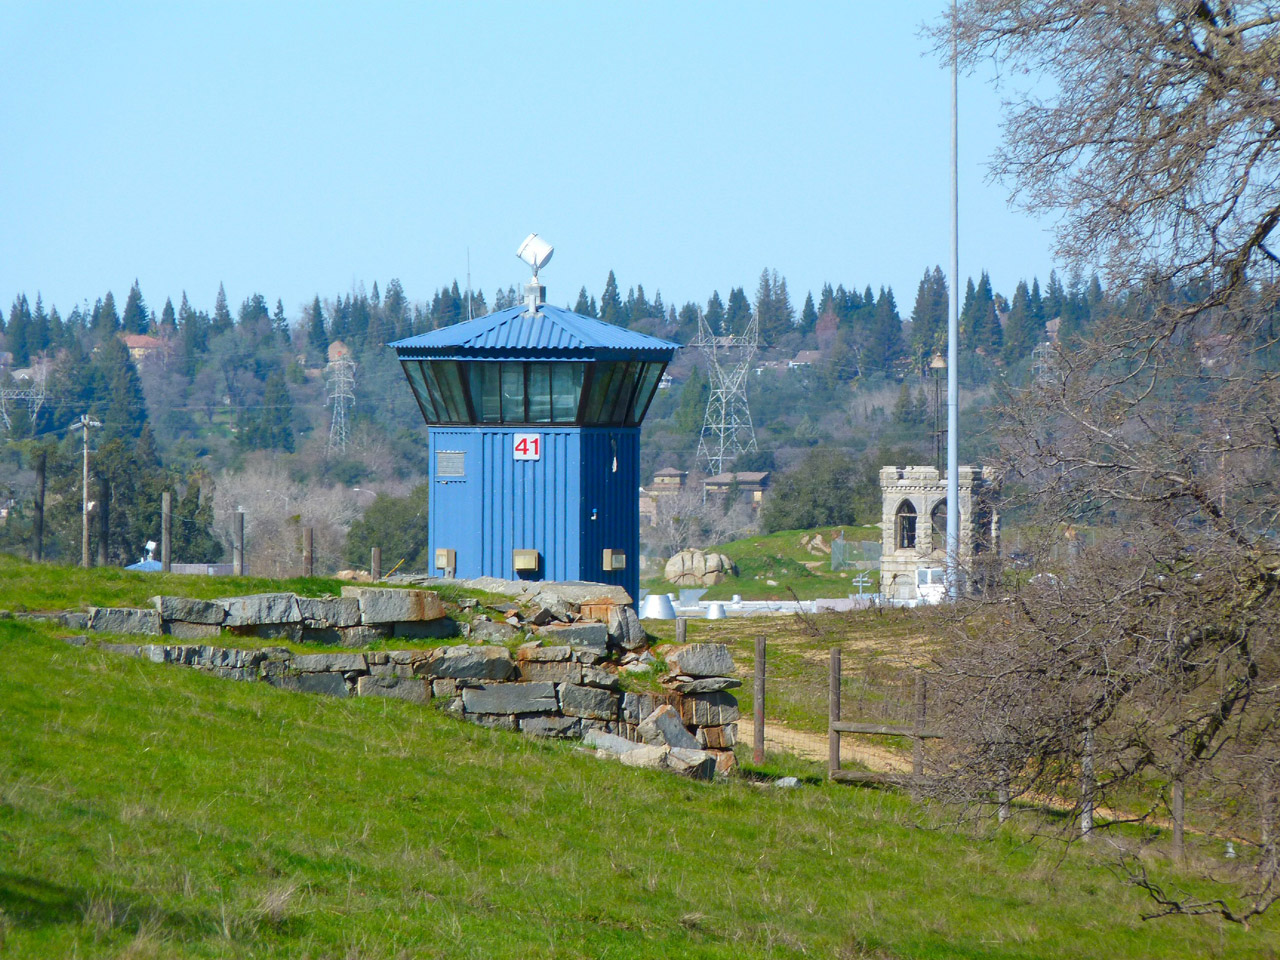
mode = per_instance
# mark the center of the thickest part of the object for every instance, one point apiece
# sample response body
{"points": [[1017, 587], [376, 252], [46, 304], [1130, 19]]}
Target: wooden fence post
{"points": [[757, 747], [166, 531], [1002, 797], [1179, 817], [833, 714], [237, 544], [375, 563], [1086, 783], [682, 630], [917, 743], [308, 553]]}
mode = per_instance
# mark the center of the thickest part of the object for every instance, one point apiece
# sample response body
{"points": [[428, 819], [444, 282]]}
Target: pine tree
{"points": [[168, 319], [1021, 332], [221, 314], [281, 323], [715, 313], [737, 314], [395, 309], [105, 318], [124, 408], [18, 330], [317, 338], [583, 304], [929, 318], [809, 314], [38, 339], [135, 319], [275, 426], [610, 302], [1055, 298], [904, 411], [884, 346]]}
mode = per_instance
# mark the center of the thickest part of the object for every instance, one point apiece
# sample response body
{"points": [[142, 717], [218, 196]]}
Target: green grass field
{"points": [[154, 811], [782, 558]]}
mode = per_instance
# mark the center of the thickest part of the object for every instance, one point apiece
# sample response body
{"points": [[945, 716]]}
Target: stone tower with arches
{"points": [[914, 531]]}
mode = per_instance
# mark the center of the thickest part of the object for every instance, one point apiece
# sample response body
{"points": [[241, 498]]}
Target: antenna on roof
{"points": [[536, 252]]}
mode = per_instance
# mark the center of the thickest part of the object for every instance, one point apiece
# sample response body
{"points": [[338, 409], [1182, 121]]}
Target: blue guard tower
{"points": [[533, 417]]}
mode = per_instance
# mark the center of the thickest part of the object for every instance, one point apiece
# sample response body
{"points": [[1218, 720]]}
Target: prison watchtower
{"points": [[533, 430]]}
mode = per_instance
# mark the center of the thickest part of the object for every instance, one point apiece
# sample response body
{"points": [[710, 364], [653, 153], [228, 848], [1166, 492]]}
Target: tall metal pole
{"points": [[953, 336], [83, 425], [84, 500]]}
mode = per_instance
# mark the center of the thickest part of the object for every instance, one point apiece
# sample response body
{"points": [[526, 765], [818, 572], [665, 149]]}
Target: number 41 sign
{"points": [[528, 446]]}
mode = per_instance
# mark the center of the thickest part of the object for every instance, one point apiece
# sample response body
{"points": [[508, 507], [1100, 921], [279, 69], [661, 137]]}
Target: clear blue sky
{"points": [[290, 149]]}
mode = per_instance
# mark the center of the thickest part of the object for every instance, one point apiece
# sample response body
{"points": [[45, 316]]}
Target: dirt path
{"points": [[813, 746]]}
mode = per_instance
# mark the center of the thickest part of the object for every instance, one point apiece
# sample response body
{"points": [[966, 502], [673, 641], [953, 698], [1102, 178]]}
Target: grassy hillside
{"points": [[152, 811], [792, 565]]}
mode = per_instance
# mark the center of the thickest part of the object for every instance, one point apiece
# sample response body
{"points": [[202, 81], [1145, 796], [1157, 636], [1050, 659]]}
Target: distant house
{"points": [[666, 382], [805, 358], [751, 482], [142, 347], [667, 481]]}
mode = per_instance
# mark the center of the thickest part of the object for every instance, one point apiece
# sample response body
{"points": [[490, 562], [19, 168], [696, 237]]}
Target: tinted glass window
{"points": [[486, 392], [566, 391], [513, 393], [649, 377], [413, 371], [539, 391]]}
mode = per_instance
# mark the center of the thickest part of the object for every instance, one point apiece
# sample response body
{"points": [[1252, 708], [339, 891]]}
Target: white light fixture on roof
{"points": [[536, 252]]}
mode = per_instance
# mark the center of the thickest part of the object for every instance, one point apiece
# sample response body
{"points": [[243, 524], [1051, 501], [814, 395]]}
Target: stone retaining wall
{"points": [[563, 682]]}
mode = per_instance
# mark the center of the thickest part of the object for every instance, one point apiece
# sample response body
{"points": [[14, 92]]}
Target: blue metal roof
{"points": [[551, 333]]}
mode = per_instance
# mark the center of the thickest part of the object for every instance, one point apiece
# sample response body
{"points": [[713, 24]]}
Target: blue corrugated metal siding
{"points": [[614, 496], [504, 504]]}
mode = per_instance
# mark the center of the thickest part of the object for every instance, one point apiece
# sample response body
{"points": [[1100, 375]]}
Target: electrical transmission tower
{"points": [[1044, 363], [32, 396], [340, 378], [726, 428]]}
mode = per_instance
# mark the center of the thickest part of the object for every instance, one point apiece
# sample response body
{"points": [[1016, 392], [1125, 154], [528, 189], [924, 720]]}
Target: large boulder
{"points": [[471, 663], [391, 605], [124, 620], [511, 698], [664, 726], [698, 568], [188, 610], [397, 688], [260, 608], [702, 660]]}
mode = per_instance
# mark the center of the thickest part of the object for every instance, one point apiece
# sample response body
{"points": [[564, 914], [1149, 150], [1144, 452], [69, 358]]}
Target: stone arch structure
{"points": [[904, 520], [924, 491]]}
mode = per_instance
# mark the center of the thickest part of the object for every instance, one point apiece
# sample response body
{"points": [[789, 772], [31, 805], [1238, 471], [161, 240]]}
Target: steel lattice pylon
{"points": [[726, 429], [340, 376], [32, 397]]}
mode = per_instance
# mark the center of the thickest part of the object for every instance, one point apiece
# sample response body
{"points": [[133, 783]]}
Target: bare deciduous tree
{"points": [[1149, 656]]}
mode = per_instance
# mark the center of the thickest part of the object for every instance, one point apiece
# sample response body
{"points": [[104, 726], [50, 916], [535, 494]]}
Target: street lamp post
{"points": [[937, 365]]}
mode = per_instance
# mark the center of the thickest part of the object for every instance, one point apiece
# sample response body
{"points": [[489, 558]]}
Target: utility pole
{"points": [[83, 425], [953, 334]]}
